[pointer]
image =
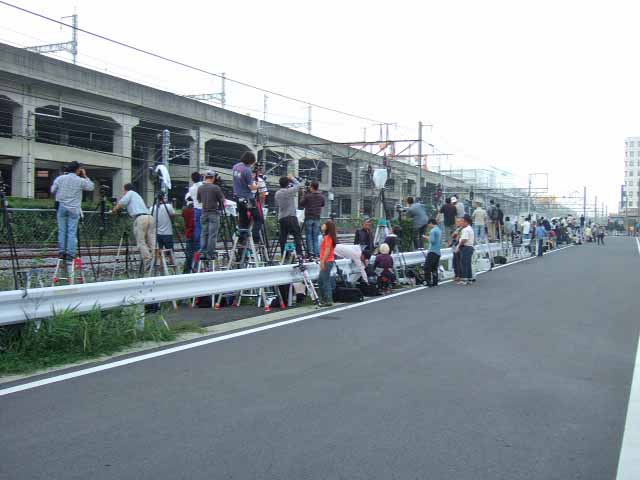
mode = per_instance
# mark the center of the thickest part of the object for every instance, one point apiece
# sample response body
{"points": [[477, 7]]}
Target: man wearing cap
{"points": [[212, 199], [68, 190], [459, 208], [479, 218], [144, 227]]}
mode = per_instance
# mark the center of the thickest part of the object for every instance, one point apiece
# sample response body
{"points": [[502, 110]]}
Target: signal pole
{"points": [[419, 188]]}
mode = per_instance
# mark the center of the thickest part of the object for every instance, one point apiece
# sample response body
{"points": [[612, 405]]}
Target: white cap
{"points": [[454, 199], [210, 173]]}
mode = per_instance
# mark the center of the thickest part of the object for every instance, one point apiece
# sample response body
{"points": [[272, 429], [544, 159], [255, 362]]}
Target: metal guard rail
{"points": [[18, 306]]}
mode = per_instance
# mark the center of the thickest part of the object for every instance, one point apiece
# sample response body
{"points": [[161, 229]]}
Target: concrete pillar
{"points": [[327, 183], [121, 177], [198, 158], [147, 181], [356, 205], [23, 170], [122, 145]]}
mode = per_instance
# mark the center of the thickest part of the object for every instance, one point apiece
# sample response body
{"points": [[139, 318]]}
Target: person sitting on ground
{"points": [[384, 267]]}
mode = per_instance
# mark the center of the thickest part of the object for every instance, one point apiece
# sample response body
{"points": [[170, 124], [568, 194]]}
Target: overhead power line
{"points": [[191, 67]]}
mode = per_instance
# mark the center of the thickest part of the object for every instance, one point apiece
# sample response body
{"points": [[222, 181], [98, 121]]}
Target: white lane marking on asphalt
{"points": [[629, 461], [169, 351]]}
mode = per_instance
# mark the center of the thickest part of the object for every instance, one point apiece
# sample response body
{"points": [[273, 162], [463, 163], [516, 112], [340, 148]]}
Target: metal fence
{"points": [[20, 305], [102, 242]]}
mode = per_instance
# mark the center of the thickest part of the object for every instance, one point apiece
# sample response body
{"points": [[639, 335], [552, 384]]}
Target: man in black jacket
{"points": [[364, 236], [312, 202]]}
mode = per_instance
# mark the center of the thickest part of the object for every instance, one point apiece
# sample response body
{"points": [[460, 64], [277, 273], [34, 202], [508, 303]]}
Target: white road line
{"points": [[208, 341], [629, 461]]}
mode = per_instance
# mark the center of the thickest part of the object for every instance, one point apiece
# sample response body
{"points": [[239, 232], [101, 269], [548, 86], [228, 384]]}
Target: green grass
{"points": [[70, 337]]}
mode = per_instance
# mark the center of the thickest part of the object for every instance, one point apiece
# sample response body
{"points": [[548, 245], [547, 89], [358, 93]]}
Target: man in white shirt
{"points": [[144, 227], [479, 218], [354, 253], [196, 178], [526, 232], [465, 247]]}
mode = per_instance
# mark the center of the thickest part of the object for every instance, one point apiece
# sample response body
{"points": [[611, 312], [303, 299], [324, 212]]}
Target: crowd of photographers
{"points": [[454, 225]]}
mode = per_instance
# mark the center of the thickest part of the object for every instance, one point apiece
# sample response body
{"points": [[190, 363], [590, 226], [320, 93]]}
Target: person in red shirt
{"points": [[327, 261], [188, 214]]}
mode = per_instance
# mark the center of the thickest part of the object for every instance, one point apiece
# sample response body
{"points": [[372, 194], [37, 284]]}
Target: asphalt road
{"points": [[525, 375]]}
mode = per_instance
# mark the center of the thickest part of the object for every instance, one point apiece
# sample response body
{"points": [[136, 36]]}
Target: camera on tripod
{"points": [[305, 182]]}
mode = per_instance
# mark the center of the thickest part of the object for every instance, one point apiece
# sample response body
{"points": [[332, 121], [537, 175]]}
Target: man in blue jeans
{"points": [[541, 234], [68, 190], [312, 202]]}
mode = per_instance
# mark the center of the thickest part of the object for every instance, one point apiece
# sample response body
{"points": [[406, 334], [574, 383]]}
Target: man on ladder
{"points": [[68, 190], [163, 214], [212, 200], [287, 218]]}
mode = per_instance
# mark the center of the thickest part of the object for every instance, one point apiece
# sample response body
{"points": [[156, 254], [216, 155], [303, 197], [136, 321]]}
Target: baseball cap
{"points": [[454, 199], [210, 173]]}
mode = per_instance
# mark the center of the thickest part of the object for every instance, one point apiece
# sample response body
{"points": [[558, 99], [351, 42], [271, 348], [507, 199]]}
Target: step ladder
{"points": [[248, 255], [70, 272], [291, 257], [167, 261], [201, 265]]}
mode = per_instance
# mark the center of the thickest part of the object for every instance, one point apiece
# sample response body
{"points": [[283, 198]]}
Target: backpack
{"points": [[492, 212]]}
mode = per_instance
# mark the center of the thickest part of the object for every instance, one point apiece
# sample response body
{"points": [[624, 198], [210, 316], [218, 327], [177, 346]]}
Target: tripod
{"points": [[11, 241], [124, 240]]}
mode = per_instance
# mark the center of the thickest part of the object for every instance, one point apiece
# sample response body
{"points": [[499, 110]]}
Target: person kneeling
{"points": [[384, 267]]}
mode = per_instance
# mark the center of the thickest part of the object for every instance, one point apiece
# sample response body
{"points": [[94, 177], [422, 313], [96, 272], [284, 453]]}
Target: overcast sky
{"points": [[544, 86]]}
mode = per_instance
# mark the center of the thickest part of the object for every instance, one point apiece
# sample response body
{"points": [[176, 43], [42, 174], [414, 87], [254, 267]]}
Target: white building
{"points": [[631, 172]]}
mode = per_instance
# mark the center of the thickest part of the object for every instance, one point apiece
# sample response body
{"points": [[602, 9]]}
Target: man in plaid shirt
{"points": [[68, 190]]}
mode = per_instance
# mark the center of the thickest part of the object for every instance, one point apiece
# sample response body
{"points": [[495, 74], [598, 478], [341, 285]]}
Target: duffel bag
{"points": [[347, 295]]}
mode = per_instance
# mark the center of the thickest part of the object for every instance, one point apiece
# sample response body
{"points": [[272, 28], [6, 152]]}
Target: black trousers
{"points": [[418, 241], [244, 221], [290, 226], [431, 265]]}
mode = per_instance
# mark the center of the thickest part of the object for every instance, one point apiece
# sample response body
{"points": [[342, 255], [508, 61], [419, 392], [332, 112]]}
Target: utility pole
{"points": [[71, 47], [584, 203], [166, 145], [595, 209], [529, 198], [264, 108], [419, 188], [309, 120]]}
